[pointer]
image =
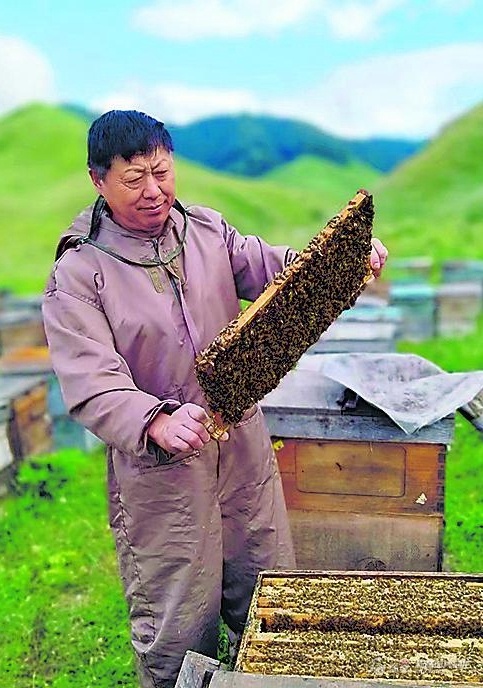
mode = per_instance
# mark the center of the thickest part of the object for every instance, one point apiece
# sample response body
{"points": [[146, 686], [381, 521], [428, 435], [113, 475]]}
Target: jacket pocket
{"points": [[250, 416], [161, 460]]}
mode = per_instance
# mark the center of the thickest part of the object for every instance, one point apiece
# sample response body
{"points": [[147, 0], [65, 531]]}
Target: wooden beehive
{"points": [[360, 493], [378, 289], [360, 625], [66, 432], [462, 271], [20, 328], [417, 303], [31, 304], [29, 422], [345, 336], [412, 270], [458, 305], [6, 455], [200, 671]]}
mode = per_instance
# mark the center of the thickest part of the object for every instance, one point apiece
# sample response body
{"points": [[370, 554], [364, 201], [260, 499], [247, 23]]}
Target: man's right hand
{"points": [[183, 430]]}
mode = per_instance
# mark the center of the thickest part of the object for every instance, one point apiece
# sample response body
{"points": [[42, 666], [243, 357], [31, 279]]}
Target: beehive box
{"points": [[6, 456], [412, 270], [417, 303], [20, 328], [360, 625], [462, 271], [4, 295], [345, 336], [458, 305], [370, 312], [378, 289], [29, 423], [31, 304], [360, 493], [66, 432]]}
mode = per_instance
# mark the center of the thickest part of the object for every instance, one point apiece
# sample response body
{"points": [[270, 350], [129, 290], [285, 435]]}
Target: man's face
{"points": [[141, 192]]}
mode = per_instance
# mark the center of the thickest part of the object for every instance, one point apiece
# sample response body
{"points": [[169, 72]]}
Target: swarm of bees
{"points": [[252, 353], [395, 627]]}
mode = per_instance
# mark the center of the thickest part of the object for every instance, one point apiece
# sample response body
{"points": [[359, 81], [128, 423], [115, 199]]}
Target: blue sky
{"points": [[354, 68]]}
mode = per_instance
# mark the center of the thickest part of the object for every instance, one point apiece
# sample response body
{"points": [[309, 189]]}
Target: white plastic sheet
{"points": [[411, 390]]}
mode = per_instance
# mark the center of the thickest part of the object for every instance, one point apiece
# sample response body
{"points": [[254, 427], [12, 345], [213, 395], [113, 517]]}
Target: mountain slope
{"points": [[433, 203], [45, 184], [253, 145], [334, 182]]}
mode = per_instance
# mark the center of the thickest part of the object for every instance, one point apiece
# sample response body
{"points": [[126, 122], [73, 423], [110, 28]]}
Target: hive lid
{"points": [[12, 386]]}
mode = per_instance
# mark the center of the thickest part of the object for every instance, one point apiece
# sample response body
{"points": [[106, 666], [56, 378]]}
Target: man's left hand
{"points": [[379, 255]]}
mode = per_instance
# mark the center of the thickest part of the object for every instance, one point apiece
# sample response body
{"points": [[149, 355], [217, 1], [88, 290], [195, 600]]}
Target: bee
{"points": [[394, 627], [249, 357]]}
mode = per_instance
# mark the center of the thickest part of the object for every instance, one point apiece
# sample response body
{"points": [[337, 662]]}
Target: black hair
{"points": [[125, 133]]}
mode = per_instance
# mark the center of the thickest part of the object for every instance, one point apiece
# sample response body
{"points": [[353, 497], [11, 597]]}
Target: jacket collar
{"points": [[134, 245]]}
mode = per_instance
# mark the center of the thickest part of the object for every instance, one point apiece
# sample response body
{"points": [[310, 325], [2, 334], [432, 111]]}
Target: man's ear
{"points": [[96, 180]]}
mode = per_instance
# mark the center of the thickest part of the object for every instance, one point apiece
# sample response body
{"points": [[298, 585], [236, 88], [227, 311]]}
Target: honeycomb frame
{"points": [[249, 357]]}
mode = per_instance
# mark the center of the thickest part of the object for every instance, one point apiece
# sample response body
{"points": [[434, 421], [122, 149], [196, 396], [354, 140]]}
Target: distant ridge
{"points": [[45, 185], [432, 204], [253, 145]]}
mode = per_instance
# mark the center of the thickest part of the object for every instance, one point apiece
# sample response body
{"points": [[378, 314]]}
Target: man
{"points": [[139, 287]]}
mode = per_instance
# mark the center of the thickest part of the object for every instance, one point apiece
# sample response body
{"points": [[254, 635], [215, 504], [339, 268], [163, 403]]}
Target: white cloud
{"points": [[25, 74], [410, 95], [177, 103], [194, 19], [358, 20]]}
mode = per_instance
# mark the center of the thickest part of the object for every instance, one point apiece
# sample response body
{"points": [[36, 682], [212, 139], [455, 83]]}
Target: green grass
{"points": [[45, 185], [60, 595], [433, 203], [333, 182], [463, 544]]}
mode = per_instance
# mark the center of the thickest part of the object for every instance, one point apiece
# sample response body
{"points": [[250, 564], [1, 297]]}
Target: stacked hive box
{"points": [[20, 328], [411, 270], [28, 422], [24, 362], [458, 307], [371, 626], [345, 336], [361, 494], [462, 271], [417, 303], [6, 454]]}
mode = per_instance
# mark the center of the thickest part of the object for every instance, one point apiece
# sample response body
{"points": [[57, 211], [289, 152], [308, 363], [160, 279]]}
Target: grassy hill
{"points": [[45, 184], [42, 158], [332, 181], [253, 145], [433, 203]]}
